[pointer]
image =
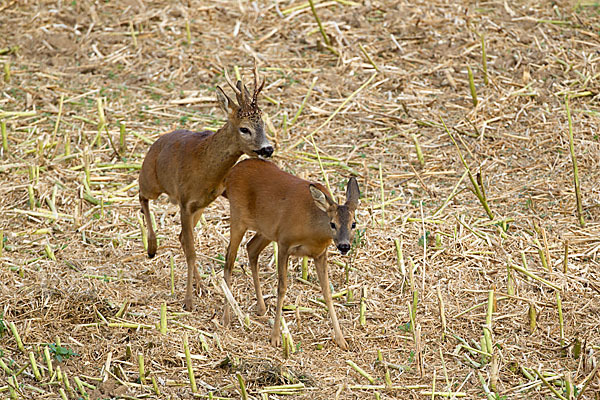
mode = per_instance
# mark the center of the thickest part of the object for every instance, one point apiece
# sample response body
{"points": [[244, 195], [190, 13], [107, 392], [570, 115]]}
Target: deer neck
{"points": [[223, 150]]}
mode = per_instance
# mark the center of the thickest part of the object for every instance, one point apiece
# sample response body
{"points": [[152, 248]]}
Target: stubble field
{"points": [[88, 85]]}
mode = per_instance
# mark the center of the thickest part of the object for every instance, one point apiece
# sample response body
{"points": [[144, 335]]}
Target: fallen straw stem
{"points": [[5, 368], [308, 93], [361, 371], [80, 387], [232, 301], [575, 168], [549, 385], [533, 276], [337, 110], [368, 57]]}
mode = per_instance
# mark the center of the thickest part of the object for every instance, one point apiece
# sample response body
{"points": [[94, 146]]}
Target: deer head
{"points": [[245, 117], [341, 217]]}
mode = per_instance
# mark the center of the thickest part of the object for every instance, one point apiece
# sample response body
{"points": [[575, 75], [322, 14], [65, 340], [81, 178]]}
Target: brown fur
{"points": [[280, 207], [190, 168]]}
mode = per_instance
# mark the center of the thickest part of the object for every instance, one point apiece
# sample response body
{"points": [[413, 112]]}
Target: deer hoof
{"points": [[341, 342], [275, 340], [188, 305]]}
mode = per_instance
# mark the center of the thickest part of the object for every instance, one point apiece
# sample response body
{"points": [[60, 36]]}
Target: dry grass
{"points": [[73, 254]]}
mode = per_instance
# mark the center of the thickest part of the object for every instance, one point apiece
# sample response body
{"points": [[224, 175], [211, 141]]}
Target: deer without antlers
{"points": [[300, 216], [190, 167]]}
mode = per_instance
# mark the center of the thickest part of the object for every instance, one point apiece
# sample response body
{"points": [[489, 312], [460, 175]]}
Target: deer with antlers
{"points": [[190, 167]]}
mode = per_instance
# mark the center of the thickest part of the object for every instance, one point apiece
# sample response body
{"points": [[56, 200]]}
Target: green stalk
{"points": [[418, 150], [575, 169], [560, 318], [542, 255], [382, 195], [363, 307], [304, 267], [7, 72], [188, 360], [4, 136], [163, 318], [48, 360], [400, 256], [510, 281], [566, 258], [141, 369], [188, 33], [314, 11], [478, 191], [122, 138], [243, 391], [472, 86], [172, 265], [484, 60], [487, 330], [60, 110], [13, 329], [34, 367]]}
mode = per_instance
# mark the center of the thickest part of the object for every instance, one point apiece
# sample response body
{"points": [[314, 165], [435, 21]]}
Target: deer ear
{"points": [[352, 193], [224, 101], [322, 201]]}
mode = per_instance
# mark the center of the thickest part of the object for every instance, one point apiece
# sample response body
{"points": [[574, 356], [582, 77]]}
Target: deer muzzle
{"points": [[265, 152]]}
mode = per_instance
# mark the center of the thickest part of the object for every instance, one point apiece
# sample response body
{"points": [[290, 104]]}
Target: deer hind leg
{"points": [[282, 264], [187, 242], [255, 247], [321, 264], [235, 238], [151, 235]]}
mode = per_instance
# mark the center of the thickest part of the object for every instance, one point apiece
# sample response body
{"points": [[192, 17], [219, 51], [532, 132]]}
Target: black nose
{"points": [[344, 247], [265, 151]]}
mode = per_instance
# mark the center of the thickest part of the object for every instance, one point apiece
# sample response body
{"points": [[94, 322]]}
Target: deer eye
{"points": [[332, 225], [245, 131], [353, 225]]}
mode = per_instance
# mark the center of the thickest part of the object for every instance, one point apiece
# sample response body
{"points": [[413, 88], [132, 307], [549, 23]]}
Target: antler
{"points": [[235, 89], [257, 88]]}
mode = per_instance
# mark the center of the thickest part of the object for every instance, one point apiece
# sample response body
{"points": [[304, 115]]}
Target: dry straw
{"points": [[486, 280]]}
